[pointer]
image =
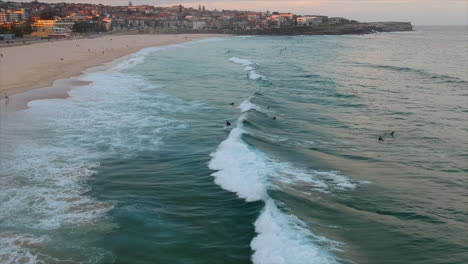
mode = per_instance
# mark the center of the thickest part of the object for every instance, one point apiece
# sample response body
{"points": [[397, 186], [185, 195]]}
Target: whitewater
{"points": [[137, 166]]}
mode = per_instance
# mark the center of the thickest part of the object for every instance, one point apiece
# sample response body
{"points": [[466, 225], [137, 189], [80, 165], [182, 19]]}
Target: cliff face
{"points": [[339, 29], [324, 29], [391, 26]]}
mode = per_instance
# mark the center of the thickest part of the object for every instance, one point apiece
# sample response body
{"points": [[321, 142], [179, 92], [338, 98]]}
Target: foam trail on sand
{"points": [[282, 238]]}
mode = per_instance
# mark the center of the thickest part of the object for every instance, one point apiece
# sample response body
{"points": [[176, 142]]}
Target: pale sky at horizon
{"points": [[419, 12]]}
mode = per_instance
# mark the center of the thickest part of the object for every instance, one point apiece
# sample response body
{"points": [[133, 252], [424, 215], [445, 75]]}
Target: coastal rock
{"points": [[353, 28]]}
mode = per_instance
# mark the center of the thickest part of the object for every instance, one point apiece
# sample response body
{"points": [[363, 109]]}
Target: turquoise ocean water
{"points": [[138, 166]]}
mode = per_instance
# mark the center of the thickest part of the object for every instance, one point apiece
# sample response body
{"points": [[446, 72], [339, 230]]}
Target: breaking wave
{"points": [[249, 172], [249, 68]]}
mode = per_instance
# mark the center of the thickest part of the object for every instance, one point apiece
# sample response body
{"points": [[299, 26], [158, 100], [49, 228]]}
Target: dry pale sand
{"points": [[23, 68]]}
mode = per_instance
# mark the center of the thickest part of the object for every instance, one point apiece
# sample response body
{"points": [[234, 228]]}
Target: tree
{"points": [[48, 14], [21, 29], [88, 27], [4, 30]]}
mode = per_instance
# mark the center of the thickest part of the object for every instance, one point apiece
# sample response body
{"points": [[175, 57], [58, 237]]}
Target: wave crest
{"points": [[282, 238]]}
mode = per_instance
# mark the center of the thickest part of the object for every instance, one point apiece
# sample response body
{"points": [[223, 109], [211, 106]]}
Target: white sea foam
{"points": [[247, 106], [282, 238], [46, 190], [215, 39], [30, 249], [46, 166], [310, 180], [100, 120], [249, 68], [243, 62], [237, 169], [253, 75], [139, 57], [20, 249]]}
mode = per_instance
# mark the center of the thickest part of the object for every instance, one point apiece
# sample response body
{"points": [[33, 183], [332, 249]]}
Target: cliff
{"points": [[323, 29], [330, 29]]}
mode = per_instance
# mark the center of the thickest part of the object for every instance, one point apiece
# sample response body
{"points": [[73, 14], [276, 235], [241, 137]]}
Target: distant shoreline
{"points": [[39, 64], [27, 67], [323, 29]]}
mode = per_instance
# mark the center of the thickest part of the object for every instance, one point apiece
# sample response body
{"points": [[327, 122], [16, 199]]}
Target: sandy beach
{"points": [[27, 67]]}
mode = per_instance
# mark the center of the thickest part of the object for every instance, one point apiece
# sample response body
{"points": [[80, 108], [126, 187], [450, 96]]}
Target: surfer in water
{"points": [[392, 134], [228, 124], [380, 139]]}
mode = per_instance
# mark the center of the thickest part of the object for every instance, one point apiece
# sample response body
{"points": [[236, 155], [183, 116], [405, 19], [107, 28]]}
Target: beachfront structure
{"points": [[281, 19], [13, 16], [284, 16], [60, 33], [199, 24], [42, 25], [308, 20], [43, 28], [89, 18], [337, 20]]}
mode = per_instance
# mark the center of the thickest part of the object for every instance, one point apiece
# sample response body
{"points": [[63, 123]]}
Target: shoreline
{"points": [[47, 65]]}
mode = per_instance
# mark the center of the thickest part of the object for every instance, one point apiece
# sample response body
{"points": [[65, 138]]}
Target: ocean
{"points": [[140, 167]]}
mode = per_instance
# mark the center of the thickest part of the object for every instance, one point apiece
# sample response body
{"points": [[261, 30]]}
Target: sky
{"points": [[419, 12]]}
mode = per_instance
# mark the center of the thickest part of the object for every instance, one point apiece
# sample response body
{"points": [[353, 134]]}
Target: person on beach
{"points": [[7, 99]]}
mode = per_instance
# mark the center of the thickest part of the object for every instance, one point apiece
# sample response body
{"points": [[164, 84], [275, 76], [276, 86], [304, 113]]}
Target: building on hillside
{"points": [[308, 20], [13, 16], [42, 28], [60, 33], [199, 25], [337, 20], [284, 16], [107, 23]]}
